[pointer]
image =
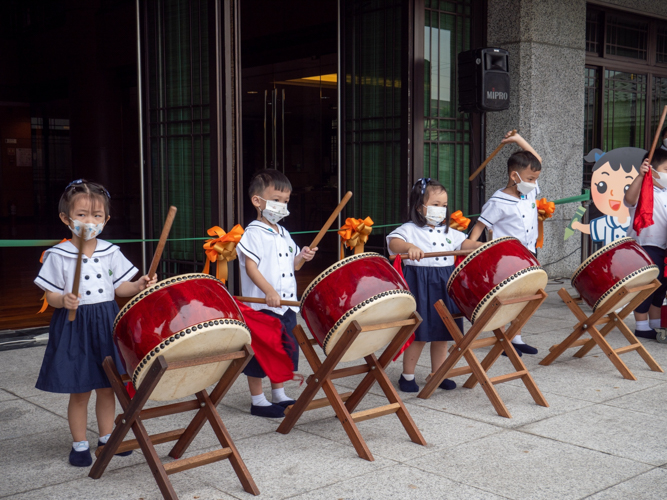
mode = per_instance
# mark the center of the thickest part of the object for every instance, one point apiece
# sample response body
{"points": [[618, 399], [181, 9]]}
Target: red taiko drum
{"points": [[621, 263], [363, 288], [184, 317], [501, 268]]}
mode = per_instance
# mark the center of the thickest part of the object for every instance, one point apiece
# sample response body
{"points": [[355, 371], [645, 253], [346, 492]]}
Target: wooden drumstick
{"points": [[163, 240], [77, 278], [655, 141], [327, 224], [486, 162], [451, 253], [257, 300]]}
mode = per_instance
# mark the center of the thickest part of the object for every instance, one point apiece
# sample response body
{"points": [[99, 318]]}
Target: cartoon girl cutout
{"points": [[613, 173]]}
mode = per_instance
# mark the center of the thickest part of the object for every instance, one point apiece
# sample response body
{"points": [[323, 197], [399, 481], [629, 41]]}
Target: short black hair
{"points": [[420, 192], [97, 193], [522, 160], [626, 158], [659, 157], [266, 178]]}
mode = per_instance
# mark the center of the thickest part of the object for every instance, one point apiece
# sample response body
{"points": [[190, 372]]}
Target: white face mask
{"points": [[525, 187], [662, 180], [86, 230], [274, 211], [435, 215]]}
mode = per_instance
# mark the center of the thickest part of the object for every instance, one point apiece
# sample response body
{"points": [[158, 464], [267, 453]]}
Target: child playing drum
{"points": [[512, 211], [76, 349], [267, 257], [653, 240], [428, 231]]}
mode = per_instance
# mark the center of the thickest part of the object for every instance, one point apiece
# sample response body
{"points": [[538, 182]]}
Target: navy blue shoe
{"points": [[80, 458], [407, 385], [524, 348], [517, 351], [447, 385], [286, 403], [273, 411], [124, 454], [646, 334]]}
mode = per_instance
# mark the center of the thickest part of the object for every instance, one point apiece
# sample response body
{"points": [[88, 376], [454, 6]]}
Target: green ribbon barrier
{"points": [[49, 243]]}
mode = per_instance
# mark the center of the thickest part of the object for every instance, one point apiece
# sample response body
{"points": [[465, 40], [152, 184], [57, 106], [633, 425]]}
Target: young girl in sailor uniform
{"points": [[428, 231], [76, 349]]}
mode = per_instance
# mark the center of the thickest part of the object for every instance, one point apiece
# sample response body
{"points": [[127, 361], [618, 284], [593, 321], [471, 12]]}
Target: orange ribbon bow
{"points": [[458, 221], [221, 249], [545, 210], [45, 304], [354, 234]]}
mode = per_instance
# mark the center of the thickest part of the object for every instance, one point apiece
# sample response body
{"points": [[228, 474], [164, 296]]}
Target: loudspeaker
{"points": [[484, 80]]}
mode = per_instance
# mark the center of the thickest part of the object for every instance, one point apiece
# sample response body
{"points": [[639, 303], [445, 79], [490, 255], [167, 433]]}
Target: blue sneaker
{"points": [[646, 334], [124, 454], [447, 385], [407, 385], [286, 403], [80, 458], [524, 348], [273, 411]]}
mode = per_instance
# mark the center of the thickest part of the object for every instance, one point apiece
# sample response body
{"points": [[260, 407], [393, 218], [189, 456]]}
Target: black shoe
{"points": [[524, 348], [273, 411], [646, 334], [124, 454], [80, 458], [447, 385], [407, 385], [517, 351], [286, 403]]}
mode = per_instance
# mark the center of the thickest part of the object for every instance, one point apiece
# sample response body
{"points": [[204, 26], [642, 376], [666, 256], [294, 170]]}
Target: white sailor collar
{"points": [[67, 249], [265, 227]]}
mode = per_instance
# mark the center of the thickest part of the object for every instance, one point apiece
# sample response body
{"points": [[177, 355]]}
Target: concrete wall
{"points": [[546, 40]]}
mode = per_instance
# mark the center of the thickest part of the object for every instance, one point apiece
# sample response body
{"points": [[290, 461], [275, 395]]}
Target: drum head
{"points": [[641, 277], [206, 339], [524, 283], [395, 305]]}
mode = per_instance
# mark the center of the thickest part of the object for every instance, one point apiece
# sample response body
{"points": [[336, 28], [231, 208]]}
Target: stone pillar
{"points": [[546, 42]]}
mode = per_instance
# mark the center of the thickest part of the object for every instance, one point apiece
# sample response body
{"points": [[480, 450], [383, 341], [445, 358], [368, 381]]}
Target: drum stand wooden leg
{"points": [[606, 315], [205, 404], [344, 404], [502, 341]]}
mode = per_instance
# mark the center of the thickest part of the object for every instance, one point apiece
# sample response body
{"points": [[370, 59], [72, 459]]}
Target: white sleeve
{"points": [[121, 269], [491, 213], [457, 238], [249, 247], [402, 233], [51, 276]]}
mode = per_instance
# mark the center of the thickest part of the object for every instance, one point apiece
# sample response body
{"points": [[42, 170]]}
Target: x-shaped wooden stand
{"points": [[606, 315], [502, 341], [134, 413], [324, 373]]}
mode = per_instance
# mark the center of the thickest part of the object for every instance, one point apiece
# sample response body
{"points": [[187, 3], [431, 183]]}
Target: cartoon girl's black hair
{"points": [[420, 192], [626, 158]]}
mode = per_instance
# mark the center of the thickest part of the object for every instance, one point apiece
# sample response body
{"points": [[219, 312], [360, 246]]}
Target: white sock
{"points": [[278, 395], [80, 445], [260, 400], [104, 439], [642, 326], [408, 377], [517, 340], [654, 323]]}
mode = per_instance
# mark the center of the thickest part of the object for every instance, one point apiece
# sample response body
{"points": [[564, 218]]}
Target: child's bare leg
{"points": [[105, 409], [255, 386], [438, 354], [654, 312], [411, 357], [77, 415]]}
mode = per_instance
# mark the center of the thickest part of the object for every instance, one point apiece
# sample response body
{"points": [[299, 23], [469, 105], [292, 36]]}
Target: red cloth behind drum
{"points": [[267, 343], [398, 266], [644, 212]]}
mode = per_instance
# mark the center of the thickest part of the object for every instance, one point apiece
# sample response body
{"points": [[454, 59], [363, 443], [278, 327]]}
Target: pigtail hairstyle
{"points": [[420, 192], [81, 187]]}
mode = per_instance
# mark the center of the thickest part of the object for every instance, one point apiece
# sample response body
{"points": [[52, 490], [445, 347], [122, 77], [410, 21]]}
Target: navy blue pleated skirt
{"points": [[428, 285], [76, 349]]}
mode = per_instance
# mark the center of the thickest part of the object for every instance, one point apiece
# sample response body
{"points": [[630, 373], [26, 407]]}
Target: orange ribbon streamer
{"points": [[458, 221], [221, 249], [545, 210], [354, 234], [45, 304]]}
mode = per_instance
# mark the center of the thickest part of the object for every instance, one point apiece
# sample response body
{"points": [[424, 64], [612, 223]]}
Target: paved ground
{"points": [[602, 437]]}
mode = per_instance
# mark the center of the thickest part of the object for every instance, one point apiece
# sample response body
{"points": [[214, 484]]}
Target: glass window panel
{"points": [[627, 37], [661, 45], [592, 30], [658, 102], [625, 110]]}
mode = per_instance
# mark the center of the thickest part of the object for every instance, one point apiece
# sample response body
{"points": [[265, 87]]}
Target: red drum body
{"points": [[621, 263], [184, 317], [363, 288], [501, 268]]}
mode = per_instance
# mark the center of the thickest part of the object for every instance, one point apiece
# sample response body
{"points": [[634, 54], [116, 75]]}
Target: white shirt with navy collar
{"points": [[101, 273], [507, 215], [656, 234], [429, 239], [274, 253]]}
